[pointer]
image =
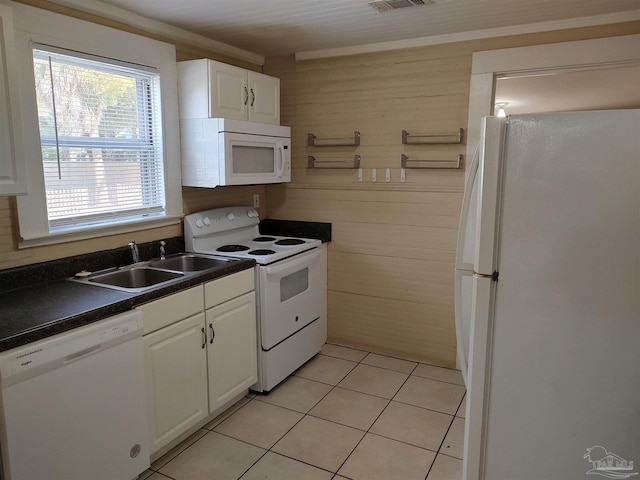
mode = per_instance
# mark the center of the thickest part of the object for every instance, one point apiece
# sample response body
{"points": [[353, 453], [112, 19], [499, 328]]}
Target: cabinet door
{"points": [[229, 92], [13, 172], [232, 350], [176, 379], [264, 98]]}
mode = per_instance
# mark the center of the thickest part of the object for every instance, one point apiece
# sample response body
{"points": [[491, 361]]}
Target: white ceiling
{"points": [[277, 27]]}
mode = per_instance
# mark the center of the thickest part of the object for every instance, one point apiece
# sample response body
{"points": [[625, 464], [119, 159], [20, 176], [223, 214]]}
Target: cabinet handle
{"points": [[253, 97], [213, 332], [246, 95], [204, 338]]}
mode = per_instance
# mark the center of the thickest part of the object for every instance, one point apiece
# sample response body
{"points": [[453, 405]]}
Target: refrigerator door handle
{"points": [[469, 191]]}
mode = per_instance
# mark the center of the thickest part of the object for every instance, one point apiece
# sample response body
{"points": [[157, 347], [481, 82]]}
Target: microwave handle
{"points": [[283, 266], [281, 161]]}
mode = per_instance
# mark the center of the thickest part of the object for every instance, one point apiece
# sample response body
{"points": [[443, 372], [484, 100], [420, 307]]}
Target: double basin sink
{"points": [[144, 276]]}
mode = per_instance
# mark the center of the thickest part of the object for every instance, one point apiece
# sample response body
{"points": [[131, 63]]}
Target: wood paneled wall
{"points": [[392, 255], [391, 261], [194, 199]]}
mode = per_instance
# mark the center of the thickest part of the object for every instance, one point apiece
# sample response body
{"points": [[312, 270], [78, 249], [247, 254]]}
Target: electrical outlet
{"points": [[256, 200]]}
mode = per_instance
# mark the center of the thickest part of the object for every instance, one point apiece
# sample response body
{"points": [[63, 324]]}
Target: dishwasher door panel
{"points": [[84, 419]]}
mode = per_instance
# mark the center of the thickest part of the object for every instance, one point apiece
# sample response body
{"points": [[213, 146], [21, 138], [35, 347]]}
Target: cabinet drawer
{"points": [[226, 288], [170, 309]]}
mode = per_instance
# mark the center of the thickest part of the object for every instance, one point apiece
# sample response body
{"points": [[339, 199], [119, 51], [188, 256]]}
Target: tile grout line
{"points": [[181, 451], [333, 387], [417, 364], [292, 427], [368, 431], [376, 419], [305, 414], [161, 474], [285, 434], [200, 438], [428, 409], [444, 438]]}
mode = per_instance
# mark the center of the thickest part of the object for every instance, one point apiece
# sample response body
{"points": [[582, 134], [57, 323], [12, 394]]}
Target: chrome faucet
{"points": [[162, 252], [135, 255]]}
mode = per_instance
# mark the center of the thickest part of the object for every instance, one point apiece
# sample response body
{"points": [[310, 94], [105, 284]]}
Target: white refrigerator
{"points": [[548, 298]]}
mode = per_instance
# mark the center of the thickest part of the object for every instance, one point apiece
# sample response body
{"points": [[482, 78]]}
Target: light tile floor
{"points": [[345, 414]]}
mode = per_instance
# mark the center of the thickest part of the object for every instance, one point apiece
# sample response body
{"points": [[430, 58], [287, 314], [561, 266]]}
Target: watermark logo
{"points": [[608, 464]]}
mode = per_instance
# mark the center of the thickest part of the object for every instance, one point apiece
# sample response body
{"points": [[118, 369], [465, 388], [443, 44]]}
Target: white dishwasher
{"points": [[73, 405]]}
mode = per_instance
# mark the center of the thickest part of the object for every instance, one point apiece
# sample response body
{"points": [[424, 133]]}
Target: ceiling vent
{"points": [[388, 5]]}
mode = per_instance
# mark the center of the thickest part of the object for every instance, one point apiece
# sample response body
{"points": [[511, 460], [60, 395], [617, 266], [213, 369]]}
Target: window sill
{"points": [[85, 234]]}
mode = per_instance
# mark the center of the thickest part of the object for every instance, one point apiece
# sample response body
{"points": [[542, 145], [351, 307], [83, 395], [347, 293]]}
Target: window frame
{"points": [[147, 92], [40, 29]]}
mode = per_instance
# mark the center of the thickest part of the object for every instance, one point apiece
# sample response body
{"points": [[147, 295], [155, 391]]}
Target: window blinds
{"points": [[101, 137]]}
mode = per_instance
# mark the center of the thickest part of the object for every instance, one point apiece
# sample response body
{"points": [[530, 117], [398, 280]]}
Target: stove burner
{"points": [[264, 239], [289, 241], [261, 252], [232, 248]]}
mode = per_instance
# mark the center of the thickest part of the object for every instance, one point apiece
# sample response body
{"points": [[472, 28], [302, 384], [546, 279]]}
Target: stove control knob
{"points": [[206, 221], [199, 223], [251, 213], [231, 217]]}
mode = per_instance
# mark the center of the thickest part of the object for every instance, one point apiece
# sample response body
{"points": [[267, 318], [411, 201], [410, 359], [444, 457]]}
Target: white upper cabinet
{"points": [[264, 98], [13, 171], [210, 89], [227, 92]]}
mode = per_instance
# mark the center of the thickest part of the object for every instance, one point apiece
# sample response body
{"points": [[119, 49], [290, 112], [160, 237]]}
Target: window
{"points": [[100, 133], [107, 160]]}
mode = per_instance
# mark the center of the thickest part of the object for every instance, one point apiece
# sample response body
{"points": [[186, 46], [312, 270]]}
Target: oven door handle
{"points": [[298, 261]]}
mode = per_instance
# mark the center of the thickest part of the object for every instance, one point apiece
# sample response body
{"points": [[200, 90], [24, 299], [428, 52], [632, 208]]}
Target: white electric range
{"points": [[291, 286]]}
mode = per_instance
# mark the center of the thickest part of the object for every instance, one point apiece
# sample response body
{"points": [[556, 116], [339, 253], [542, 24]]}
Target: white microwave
{"points": [[219, 151]]}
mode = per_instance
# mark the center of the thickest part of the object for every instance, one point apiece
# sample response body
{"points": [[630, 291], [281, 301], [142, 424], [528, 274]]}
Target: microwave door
{"points": [[253, 159]]}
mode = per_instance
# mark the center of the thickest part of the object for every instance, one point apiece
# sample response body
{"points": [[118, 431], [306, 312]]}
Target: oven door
{"points": [[290, 296]]}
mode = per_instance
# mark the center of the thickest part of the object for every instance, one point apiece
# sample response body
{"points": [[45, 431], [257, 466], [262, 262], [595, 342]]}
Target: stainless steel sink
{"points": [[144, 276], [135, 278], [190, 263]]}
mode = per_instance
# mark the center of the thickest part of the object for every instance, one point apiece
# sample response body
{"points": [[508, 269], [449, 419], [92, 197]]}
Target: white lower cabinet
{"points": [[197, 362], [232, 354], [176, 379]]}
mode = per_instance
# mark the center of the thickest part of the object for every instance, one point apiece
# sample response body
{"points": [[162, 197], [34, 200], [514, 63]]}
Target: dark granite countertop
{"points": [[37, 301], [31, 313], [296, 228]]}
